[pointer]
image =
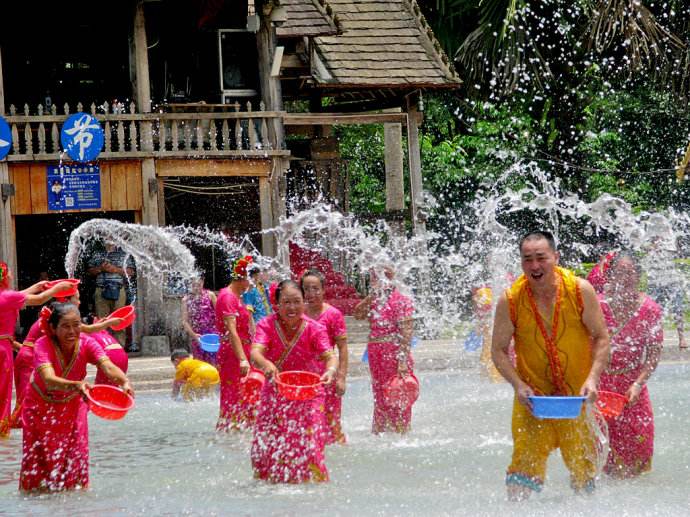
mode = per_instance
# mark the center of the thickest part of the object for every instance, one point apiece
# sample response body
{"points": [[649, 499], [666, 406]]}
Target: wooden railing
{"points": [[128, 134]]}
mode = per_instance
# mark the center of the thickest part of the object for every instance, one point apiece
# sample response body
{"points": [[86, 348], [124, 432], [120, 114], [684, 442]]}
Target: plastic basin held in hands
{"points": [[109, 402], [557, 407], [127, 313], [401, 391], [67, 292], [209, 342], [298, 385]]}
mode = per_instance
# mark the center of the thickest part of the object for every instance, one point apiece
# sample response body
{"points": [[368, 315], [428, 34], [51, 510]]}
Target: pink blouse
{"points": [[104, 338], [334, 322], [228, 304], [35, 332], [46, 353], [385, 317], [10, 303], [308, 344]]}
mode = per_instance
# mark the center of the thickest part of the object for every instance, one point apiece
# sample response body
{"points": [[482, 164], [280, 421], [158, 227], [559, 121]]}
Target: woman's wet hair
{"points": [[312, 272], [59, 310], [287, 283], [538, 235]]}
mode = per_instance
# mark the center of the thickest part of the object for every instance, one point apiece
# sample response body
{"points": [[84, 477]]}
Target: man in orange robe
{"points": [[561, 348]]}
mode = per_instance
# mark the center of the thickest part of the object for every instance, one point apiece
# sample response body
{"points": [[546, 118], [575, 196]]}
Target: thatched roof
{"points": [[379, 44], [305, 18]]}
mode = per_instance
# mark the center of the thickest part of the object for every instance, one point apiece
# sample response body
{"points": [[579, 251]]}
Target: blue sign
{"points": [[82, 137], [5, 138], [73, 187]]}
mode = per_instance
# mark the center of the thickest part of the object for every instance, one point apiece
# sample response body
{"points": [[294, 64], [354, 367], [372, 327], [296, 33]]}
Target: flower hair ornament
{"points": [[239, 267], [43, 318]]}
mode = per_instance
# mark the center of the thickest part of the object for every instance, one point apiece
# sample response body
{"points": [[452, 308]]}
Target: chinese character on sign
{"points": [[82, 137]]}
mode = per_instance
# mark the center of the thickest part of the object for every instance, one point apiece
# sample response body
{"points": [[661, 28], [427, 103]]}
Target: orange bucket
{"points": [[109, 402], [67, 292], [611, 404], [127, 314], [401, 391], [251, 384], [298, 385]]}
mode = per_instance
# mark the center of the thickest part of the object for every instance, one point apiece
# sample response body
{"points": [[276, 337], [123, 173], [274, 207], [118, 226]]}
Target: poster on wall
{"points": [[73, 187]]}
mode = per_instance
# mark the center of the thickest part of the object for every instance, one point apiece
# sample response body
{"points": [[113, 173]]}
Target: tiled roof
{"points": [[381, 43], [305, 18]]}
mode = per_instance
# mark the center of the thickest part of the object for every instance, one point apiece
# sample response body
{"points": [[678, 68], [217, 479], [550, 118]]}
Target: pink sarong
{"points": [[235, 412], [334, 322], [115, 353], [288, 439], [384, 344], [631, 435], [55, 444], [10, 303]]}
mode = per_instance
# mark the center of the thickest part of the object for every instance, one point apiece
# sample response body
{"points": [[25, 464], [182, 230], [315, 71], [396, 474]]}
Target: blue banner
{"points": [[73, 187]]}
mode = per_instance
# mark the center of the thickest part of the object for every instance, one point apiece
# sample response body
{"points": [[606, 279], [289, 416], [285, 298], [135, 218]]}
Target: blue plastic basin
{"points": [[557, 407], [210, 342]]}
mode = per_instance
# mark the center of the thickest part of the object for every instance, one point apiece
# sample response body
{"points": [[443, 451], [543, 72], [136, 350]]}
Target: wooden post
{"points": [[278, 197], [8, 244], [271, 91], [141, 60], [416, 199], [395, 182], [268, 247]]}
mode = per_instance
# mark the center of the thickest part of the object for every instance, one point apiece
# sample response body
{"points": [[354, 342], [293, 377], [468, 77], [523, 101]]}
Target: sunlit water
{"points": [[165, 458]]}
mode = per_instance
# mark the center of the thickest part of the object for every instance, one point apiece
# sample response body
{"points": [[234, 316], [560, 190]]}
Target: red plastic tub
{"points": [[109, 402], [251, 384], [67, 292], [298, 385], [611, 404], [127, 313], [402, 391]]}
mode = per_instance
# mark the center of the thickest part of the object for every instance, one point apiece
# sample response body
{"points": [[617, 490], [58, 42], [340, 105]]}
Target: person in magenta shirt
{"points": [[55, 443], [390, 318], [10, 304], [312, 283], [235, 327], [24, 362], [288, 439]]}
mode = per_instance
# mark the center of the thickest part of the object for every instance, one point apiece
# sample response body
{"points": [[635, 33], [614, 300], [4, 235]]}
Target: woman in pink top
{"points": [[288, 437], [235, 326], [10, 304], [635, 324], [113, 349], [55, 444], [312, 283], [390, 316], [24, 362]]}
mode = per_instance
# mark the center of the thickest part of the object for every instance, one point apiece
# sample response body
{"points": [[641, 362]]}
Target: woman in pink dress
{"points": [[55, 445], [312, 283], [10, 304], [288, 440], [234, 325], [198, 318], [24, 362], [390, 317], [634, 321]]}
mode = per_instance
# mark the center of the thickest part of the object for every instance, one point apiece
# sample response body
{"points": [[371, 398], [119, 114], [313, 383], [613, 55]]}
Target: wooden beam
{"points": [[327, 119], [255, 168], [395, 183], [268, 243], [415, 161], [141, 59], [277, 61], [270, 85]]}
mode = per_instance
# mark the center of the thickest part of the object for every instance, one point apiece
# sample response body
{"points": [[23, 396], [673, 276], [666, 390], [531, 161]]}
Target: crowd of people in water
{"points": [[551, 333]]}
